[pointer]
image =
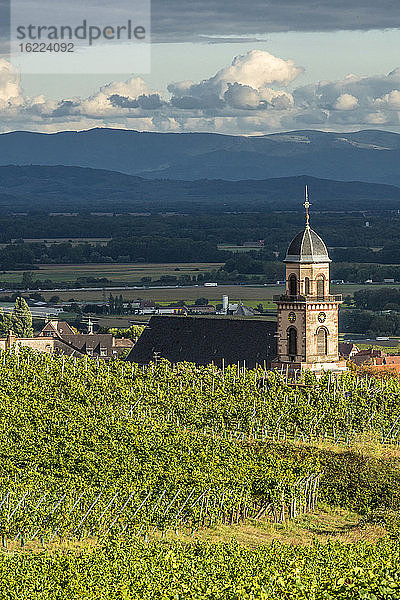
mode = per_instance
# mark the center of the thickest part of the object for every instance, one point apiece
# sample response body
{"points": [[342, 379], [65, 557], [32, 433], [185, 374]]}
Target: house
{"points": [[170, 310], [367, 357], [378, 360], [203, 341], [103, 345], [207, 309], [50, 345], [238, 309], [58, 337], [347, 350], [56, 328]]}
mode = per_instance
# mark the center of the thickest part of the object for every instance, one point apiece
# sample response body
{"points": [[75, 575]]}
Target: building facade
{"points": [[307, 332]]}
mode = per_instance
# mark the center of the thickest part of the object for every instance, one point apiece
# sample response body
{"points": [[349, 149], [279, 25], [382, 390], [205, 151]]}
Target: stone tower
{"points": [[307, 312]]}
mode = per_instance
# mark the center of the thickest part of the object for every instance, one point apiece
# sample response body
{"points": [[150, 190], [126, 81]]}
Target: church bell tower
{"points": [[307, 313]]}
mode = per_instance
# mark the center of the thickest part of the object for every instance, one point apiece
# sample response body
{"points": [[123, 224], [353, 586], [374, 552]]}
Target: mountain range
{"points": [[369, 156], [66, 189]]}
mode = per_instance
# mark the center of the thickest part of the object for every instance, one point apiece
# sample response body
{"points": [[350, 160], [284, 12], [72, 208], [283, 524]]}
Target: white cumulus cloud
{"points": [[249, 96], [345, 102]]}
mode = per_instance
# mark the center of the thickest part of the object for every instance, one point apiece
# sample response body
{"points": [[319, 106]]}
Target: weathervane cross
{"points": [[307, 205]]}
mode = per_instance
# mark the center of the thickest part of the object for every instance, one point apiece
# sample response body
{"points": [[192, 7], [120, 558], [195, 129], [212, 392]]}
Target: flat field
{"points": [[130, 274], [249, 295], [127, 273]]}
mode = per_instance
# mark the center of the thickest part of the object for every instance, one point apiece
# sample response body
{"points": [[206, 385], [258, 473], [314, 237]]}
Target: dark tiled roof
{"points": [[307, 246], [204, 340], [61, 327], [346, 348], [95, 343]]}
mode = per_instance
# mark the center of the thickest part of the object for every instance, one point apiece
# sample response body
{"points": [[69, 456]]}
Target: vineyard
{"points": [[123, 454]]}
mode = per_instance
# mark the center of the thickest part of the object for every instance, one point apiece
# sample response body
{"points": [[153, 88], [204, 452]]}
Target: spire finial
{"points": [[307, 206]]}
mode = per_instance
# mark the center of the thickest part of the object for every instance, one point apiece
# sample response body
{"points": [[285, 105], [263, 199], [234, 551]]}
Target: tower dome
{"points": [[307, 247]]}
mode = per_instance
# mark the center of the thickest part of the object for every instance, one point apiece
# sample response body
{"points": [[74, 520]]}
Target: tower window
{"points": [[322, 341], [292, 285], [292, 341], [320, 286], [307, 286]]}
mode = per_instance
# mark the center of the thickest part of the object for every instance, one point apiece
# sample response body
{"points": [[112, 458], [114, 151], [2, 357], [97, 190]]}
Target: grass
{"points": [[249, 295], [364, 445], [127, 273], [323, 524]]}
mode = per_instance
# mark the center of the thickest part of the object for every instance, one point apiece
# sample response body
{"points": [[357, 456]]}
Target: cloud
{"points": [[256, 69], [391, 101], [203, 19], [242, 96], [345, 102], [219, 21], [249, 96], [10, 85]]}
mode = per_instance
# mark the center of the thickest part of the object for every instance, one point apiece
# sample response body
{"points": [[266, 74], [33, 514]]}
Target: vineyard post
{"points": [[88, 512], [201, 510]]}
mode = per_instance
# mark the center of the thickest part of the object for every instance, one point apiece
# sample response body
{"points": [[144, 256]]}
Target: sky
{"points": [[248, 68]]}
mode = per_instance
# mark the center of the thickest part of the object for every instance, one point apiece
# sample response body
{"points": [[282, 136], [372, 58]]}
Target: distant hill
{"points": [[371, 155], [65, 189]]}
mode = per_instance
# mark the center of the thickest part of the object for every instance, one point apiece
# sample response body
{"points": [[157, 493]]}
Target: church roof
{"points": [[307, 247], [203, 340]]}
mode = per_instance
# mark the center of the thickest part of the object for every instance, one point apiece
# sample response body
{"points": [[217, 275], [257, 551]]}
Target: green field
{"points": [[124, 272], [248, 294], [131, 274]]}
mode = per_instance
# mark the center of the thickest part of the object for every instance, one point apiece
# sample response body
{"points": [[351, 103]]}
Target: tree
{"points": [[201, 302], [5, 322], [27, 280], [21, 319]]}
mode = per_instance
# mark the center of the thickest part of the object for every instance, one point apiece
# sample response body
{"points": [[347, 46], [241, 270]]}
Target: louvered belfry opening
{"points": [[292, 285], [307, 286], [292, 341], [322, 341], [320, 288]]}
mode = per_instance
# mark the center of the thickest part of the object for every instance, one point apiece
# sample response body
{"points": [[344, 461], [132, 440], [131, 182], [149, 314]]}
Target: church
{"points": [[305, 336], [307, 327]]}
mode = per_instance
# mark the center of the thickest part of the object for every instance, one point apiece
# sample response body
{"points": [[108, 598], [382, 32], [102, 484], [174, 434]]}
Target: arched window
{"points": [[321, 286], [292, 285], [322, 341], [292, 341], [307, 286]]}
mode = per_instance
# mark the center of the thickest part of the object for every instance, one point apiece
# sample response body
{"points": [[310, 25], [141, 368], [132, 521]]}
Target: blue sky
{"points": [[325, 55]]}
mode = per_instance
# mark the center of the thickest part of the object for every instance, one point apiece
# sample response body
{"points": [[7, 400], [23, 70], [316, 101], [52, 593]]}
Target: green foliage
{"points": [[83, 435], [201, 301], [389, 519], [157, 571], [21, 319], [132, 332], [368, 322], [373, 299], [76, 426], [5, 322], [359, 483]]}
